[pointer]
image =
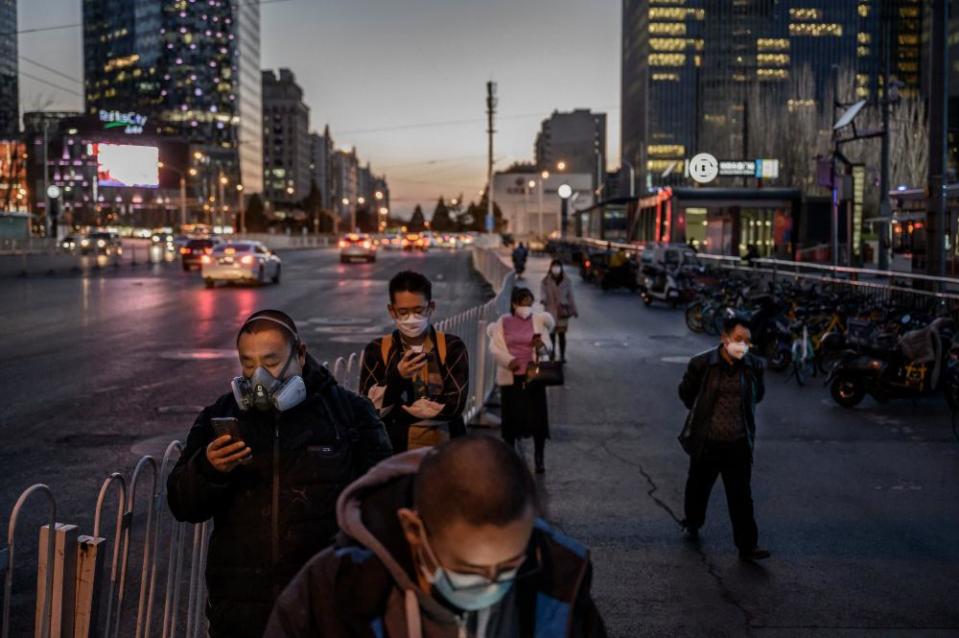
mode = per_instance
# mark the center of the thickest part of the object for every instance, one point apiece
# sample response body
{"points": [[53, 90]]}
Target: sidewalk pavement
{"points": [[857, 506]]}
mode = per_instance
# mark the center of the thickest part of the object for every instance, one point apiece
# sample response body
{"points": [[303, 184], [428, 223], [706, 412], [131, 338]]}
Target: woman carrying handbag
{"points": [[516, 343], [556, 294]]}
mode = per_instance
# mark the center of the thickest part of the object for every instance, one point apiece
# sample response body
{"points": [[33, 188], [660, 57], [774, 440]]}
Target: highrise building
{"points": [[692, 69], [321, 147], [286, 138], [192, 68], [9, 85], [344, 178], [577, 139]]}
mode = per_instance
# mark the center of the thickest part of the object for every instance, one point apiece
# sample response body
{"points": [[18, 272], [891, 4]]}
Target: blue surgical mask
{"points": [[470, 592]]}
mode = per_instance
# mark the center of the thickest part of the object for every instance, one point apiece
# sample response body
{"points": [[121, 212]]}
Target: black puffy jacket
{"points": [[698, 392], [271, 516]]}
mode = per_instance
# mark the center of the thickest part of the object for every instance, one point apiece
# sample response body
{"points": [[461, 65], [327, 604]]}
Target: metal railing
{"points": [[28, 244], [141, 573]]}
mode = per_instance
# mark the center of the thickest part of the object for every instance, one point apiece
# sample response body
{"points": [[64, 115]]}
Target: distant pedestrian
{"points": [[721, 388], [416, 376], [270, 490], [516, 340], [556, 294], [520, 254], [443, 543]]}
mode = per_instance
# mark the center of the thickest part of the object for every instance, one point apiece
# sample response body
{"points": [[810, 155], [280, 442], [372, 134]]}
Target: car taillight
{"points": [[205, 259], [367, 244], [208, 251], [586, 263], [247, 259], [343, 243], [185, 251]]}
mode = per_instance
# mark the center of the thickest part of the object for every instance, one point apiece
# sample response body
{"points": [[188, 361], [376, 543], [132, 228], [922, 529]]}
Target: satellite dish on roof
{"points": [[849, 115]]}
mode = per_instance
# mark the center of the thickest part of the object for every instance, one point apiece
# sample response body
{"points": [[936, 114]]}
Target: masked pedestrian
{"points": [[443, 543], [266, 462], [556, 293], [516, 340], [721, 388], [416, 376]]}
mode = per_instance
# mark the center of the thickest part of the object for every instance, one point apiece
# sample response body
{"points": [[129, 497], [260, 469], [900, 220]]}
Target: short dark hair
{"points": [[271, 319], [518, 294], [410, 281], [730, 323], [477, 479]]}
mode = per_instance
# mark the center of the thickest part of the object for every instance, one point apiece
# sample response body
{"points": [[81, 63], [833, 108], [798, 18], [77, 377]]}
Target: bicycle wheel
{"points": [[694, 316]]}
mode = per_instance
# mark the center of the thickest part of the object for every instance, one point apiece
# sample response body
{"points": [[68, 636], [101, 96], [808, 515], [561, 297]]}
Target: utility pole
{"points": [[835, 186], [885, 209], [938, 125], [490, 113]]}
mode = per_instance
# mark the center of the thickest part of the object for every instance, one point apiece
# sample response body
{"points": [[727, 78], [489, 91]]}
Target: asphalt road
{"points": [[860, 508], [97, 370]]}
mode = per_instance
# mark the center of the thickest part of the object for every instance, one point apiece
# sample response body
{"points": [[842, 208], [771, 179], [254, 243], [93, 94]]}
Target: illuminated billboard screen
{"points": [[124, 165]]}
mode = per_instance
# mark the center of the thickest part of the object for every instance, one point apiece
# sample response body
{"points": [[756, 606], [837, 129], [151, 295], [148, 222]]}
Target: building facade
{"points": [[518, 195], [287, 145], [9, 79], [575, 138], [321, 148], [190, 68], [344, 181], [698, 75]]}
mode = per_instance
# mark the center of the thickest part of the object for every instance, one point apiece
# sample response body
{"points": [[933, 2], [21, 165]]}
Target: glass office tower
{"points": [[9, 86]]}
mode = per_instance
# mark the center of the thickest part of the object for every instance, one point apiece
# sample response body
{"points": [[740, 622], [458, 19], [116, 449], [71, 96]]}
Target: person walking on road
{"points": [[556, 293], [520, 253], [443, 543], [298, 439], [515, 340], [721, 388], [416, 376]]}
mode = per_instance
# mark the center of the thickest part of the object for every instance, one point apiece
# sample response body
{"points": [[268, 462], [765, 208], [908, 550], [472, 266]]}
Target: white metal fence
{"points": [[141, 573]]}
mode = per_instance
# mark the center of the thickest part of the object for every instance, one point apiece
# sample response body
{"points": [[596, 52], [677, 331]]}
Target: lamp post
{"points": [[565, 191], [242, 206], [542, 184], [182, 190]]}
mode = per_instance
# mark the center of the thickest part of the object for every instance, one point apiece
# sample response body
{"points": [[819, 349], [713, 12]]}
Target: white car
{"points": [[357, 246], [247, 262]]}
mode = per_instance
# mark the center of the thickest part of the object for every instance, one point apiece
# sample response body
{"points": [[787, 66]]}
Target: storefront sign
{"points": [[131, 123], [704, 168]]}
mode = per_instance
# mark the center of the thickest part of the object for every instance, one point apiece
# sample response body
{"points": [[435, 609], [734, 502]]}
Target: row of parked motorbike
{"points": [[861, 344]]}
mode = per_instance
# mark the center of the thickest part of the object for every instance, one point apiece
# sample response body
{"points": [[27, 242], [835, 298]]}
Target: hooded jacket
{"points": [[363, 588], [271, 516], [698, 391]]}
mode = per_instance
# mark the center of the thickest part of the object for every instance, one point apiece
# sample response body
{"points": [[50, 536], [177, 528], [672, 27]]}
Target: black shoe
{"points": [[756, 553], [691, 534], [540, 465]]}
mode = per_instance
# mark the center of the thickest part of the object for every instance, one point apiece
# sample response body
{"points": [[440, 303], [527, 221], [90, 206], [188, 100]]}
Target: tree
{"points": [[256, 220], [442, 222], [417, 221], [909, 143], [475, 217], [366, 220], [312, 204]]}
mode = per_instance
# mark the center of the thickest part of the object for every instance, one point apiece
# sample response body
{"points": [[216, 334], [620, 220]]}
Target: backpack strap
{"points": [[441, 346], [385, 348]]}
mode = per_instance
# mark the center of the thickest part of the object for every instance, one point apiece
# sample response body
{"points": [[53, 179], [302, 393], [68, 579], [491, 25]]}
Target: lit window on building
{"points": [[863, 10], [665, 77], [862, 52], [772, 59], [667, 59], [675, 13], [666, 150], [909, 12], [864, 37], [667, 44], [797, 104], [667, 28], [805, 14], [772, 74], [908, 39], [772, 44], [816, 29]]}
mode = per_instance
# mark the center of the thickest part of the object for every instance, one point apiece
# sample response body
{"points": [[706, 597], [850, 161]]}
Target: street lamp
{"points": [[565, 191], [242, 204], [361, 200], [378, 195], [542, 184], [561, 165], [182, 190]]}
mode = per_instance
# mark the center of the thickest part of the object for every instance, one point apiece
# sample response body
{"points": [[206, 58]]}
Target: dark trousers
{"points": [[733, 461]]}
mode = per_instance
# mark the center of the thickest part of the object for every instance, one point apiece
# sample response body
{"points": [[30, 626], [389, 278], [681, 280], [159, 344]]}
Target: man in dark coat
{"points": [[721, 388], [443, 543], [271, 495]]}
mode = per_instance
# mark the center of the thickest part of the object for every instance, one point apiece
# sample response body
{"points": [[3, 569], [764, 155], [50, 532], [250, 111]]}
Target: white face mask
{"points": [[737, 349], [413, 326], [524, 312], [556, 270]]}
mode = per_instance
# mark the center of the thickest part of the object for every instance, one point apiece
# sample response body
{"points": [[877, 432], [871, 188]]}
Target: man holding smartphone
{"points": [[267, 462], [416, 376]]}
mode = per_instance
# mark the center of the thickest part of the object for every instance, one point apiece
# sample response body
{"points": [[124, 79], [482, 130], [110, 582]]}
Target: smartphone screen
{"points": [[227, 425]]}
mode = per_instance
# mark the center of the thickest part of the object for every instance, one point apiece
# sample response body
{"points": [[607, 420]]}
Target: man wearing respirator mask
{"points": [[416, 376], [721, 388], [267, 462]]}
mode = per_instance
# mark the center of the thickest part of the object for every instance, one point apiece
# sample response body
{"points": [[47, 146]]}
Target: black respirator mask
{"points": [[262, 391]]}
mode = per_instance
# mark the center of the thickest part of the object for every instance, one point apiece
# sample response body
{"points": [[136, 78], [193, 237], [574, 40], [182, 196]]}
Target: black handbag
{"points": [[544, 373]]}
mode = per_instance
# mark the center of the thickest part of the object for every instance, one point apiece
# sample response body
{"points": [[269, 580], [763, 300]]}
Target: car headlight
{"points": [[85, 242], [101, 243]]}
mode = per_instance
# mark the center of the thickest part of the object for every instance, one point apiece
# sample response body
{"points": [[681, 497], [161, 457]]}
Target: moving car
{"points": [[248, 262], [357, 246], [101, 243], [192, 253], [70, 243], [415, 241]]}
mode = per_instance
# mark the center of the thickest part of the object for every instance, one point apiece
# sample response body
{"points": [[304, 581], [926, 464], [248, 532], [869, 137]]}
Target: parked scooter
{"points": [[913, 369], [662, 284]]}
